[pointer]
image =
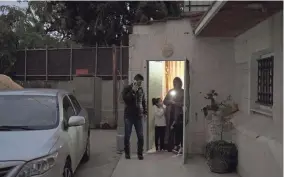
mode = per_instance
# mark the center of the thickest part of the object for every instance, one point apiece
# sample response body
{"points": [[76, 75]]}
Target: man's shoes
{"points": [[176, 149], [140, 157], [180, 151], [127, 156]]}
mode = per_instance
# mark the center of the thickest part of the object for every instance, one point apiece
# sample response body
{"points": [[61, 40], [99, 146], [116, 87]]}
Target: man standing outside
{"points": [[134, 112]]}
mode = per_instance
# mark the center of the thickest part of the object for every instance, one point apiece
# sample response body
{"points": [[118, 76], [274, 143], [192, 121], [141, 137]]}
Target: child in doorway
{"points": [[160, 123]]}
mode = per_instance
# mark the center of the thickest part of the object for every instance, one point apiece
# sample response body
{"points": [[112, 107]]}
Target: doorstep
{"points": [[166, 165]]}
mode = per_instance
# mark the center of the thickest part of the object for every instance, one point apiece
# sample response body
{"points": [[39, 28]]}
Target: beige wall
{"points": [[147, 42], [265, 36], [259, 137], [212, 66], [225, 65]]}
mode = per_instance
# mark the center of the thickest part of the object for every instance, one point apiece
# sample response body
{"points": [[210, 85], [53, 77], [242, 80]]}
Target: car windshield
{"points": [[28, 111]]}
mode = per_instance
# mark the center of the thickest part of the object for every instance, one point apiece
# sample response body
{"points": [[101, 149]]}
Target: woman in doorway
{"points": [[174, 109], [178, 129], [160, 123]]}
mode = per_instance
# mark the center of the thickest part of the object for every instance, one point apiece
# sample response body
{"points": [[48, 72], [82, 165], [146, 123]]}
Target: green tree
{"points": [[9, 41], [23, 29], [105, 23]]}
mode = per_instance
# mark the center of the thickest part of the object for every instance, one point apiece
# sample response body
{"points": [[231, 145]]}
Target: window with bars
{"points": [[265, 81]]}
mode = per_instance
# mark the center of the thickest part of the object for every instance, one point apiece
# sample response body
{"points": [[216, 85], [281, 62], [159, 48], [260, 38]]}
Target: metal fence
{"points": [[65, 63]]}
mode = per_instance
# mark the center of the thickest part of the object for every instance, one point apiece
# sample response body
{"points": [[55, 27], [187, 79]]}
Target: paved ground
{"points": [[105, 162], [103, 155], [164, 165]]}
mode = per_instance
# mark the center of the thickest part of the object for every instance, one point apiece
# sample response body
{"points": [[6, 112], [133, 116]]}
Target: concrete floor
{"points": [[166, 165], [105, 162], [103, 155]]}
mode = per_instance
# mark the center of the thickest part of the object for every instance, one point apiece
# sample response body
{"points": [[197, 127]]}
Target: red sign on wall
{"points": [[82, 71]]}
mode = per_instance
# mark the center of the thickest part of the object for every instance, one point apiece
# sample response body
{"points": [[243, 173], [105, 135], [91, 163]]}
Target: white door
{"points": [[73, 145], [155, 85], [81, 130], [72, 132], [186, 111]]}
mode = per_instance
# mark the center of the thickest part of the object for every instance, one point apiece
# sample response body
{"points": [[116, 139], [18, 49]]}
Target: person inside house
{"points": [[174, 109], [134, 112], [160, 123], [178, 131]]}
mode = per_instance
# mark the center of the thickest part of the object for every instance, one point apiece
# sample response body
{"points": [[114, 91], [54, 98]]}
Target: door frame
{"points": [[185, 59], [187, 111]]}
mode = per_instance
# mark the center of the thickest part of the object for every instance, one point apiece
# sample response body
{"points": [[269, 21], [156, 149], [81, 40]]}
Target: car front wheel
{"points": [[68, 172], [87, 153]]}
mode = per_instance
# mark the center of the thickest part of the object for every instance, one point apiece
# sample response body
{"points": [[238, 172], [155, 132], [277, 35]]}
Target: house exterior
{"points": [[228, 48]]}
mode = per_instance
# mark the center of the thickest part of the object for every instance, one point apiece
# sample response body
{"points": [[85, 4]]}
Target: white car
{"points": [[43, 133]]}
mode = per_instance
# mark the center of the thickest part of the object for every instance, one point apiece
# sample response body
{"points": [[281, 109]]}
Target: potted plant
{"points": [[221, 155]]}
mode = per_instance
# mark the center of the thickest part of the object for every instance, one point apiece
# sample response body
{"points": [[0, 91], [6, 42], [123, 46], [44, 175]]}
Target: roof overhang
{"points": [[216, 6], [232, 18]]}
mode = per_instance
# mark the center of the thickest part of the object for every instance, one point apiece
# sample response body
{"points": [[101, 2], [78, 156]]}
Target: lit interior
{"points": [[172, 69], [161, 75]]}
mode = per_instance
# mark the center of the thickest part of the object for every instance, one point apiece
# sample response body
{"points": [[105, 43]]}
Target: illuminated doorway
{"points": [[160, 75]]}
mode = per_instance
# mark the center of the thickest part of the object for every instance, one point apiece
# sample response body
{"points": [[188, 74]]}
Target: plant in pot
{"points": [[221, 155]]}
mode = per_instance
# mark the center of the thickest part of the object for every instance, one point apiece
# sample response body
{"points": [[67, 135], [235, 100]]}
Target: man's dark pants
{"points": [[138, 124]]}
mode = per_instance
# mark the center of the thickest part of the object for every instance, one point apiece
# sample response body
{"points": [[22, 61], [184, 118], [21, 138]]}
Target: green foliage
{"points": [[8, 39], [105, 23], [64, 23], [214, 106], [223, 110], [22, 29]]}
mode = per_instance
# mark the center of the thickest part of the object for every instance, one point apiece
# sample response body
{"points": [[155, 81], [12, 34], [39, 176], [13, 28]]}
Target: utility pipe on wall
{"points": [[114, 78]]}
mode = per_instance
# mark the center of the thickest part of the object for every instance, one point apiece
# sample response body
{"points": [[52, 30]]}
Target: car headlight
{"points": [[38, 166]]}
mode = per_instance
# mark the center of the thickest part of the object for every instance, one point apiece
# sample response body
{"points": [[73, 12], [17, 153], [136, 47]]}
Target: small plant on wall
{"points": [[221, 155]]}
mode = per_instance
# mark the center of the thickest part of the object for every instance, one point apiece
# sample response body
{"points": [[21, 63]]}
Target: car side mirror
{"points": [[76, 121]]}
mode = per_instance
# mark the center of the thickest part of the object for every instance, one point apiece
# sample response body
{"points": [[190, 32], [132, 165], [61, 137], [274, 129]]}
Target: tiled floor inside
{"points": [[164, 164]]}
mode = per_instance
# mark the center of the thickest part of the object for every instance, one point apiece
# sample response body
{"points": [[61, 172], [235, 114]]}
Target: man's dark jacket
{"points": [[135, 104]]}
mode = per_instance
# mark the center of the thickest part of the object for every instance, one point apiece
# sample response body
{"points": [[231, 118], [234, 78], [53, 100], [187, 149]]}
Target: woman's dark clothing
{"points": [[170, 140], [173, 111], [179, 131], [171, 132], [160, 137]]}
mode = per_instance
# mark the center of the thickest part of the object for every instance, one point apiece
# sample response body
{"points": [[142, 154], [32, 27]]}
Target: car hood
{"points": [[26, 145]]}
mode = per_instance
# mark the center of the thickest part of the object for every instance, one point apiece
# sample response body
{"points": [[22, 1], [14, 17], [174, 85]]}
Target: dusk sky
{"points": [[14, 3]]}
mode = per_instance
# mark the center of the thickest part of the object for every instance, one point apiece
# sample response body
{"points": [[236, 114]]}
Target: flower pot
{"points": [[222, 157]]}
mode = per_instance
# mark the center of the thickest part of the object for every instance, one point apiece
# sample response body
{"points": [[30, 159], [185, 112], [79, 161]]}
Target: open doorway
{"points": [[160, 80]]}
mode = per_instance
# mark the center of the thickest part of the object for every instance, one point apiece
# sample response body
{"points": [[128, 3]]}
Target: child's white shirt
{"points": [[159, 116]]}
